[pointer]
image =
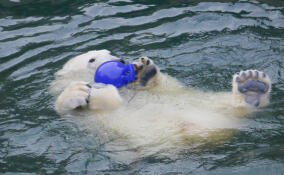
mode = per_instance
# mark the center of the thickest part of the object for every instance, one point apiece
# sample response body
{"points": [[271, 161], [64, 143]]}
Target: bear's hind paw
{"points": [[253, 85]]}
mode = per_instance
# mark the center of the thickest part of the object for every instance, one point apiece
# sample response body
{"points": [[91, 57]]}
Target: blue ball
{"points": [[115, 73]]}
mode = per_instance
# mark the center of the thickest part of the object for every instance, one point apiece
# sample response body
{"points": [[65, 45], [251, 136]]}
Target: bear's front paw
{"points": [[146, 61], [254, 86], [75, 95], [142, 63], [145, 70]]}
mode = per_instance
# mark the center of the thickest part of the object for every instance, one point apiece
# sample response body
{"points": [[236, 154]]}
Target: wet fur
{"points": [[161, 116]]}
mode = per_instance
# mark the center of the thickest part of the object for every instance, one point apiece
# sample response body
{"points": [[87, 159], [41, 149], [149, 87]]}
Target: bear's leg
{"points": [[83, 95], [146, 70], [75, 95], [104, 97], [251, 88]]}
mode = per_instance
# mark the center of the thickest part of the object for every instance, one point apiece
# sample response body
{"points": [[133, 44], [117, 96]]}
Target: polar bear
{"points": [[156, 110]]}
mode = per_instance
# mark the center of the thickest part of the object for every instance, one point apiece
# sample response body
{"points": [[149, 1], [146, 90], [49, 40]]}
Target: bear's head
{"points": [[97, 57]]}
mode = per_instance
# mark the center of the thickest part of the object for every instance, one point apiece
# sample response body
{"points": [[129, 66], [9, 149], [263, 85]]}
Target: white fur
{"points": [[79, 69], [81, 62], [160, 117], [100, 97]]}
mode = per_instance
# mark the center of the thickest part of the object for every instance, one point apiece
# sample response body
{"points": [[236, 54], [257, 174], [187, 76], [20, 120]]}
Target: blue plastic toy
{"points": [[115, 73]]}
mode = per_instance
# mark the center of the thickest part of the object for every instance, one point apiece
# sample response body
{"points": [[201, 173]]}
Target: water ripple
{"points": [[201, 43]]}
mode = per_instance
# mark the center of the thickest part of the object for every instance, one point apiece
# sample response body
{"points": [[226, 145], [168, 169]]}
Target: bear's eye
{"points": [[92, 60]]}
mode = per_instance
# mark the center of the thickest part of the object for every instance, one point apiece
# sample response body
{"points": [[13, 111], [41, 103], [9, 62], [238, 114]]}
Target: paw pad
{"points": [[243, 75], [252, 84], [256, 74], [238, 80], [147, 62], [250, 74]]}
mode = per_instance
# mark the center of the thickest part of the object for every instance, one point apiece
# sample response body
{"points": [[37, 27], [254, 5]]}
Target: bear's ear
{"points": [[104, 51]]}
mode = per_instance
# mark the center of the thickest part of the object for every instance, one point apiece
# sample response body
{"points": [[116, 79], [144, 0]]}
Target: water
{"points": [[200, 43]]}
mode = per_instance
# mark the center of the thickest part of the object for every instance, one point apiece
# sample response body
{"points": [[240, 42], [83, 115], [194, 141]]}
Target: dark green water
{"points": [[202, 43]]}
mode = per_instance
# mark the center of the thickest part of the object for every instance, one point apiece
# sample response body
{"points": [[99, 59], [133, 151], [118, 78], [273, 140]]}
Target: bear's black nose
{"points": [[92, 60]]}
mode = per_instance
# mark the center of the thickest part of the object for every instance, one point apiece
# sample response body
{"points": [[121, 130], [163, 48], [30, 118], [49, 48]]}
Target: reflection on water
{"points": [[202, 43]]}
